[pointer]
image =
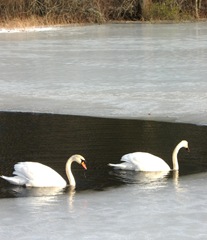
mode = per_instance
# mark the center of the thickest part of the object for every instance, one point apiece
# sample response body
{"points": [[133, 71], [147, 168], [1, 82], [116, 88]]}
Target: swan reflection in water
{"points": [[19, 191], [145, 179], [41, 194], [41, 197]]}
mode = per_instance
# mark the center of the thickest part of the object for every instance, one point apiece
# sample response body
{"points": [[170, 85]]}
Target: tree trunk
{"points": [[199, 4], [197, 8], [145, 4]]}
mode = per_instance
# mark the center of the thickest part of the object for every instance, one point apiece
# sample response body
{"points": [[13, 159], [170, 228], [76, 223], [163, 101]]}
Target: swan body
{"points": [[146, 162], [34, 174]]}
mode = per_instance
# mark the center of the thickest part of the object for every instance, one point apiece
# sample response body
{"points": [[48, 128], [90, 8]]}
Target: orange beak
{"points": [[84, 165]]}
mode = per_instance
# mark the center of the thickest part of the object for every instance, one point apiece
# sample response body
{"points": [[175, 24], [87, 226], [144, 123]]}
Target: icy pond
{"points": [[103, 91]]}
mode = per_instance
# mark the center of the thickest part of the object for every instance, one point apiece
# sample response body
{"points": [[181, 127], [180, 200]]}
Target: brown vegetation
{"points": [[46, 12]]}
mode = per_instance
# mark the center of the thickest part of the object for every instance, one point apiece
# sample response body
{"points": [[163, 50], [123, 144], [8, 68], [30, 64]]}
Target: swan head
{"points": [[80, 160], [184, 144]]}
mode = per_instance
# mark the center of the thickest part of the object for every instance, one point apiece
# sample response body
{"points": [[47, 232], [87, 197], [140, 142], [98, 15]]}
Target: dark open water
{"points": [[52, 139]]}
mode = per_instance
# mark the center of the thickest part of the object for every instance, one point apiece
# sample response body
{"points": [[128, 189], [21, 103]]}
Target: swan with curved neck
{"points": [[142, 161], [34, 174], [75, 158]]}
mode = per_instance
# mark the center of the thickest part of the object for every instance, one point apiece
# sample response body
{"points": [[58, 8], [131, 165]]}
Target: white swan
{"points": [[146, 162], [34, 174]]}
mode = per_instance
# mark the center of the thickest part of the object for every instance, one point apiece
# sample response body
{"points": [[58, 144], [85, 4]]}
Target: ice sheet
{"points": [[155, 210], [143, 71]]}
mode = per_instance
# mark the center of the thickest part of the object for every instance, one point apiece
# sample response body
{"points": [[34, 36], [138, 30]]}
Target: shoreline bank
{"points": [[38, 28]]}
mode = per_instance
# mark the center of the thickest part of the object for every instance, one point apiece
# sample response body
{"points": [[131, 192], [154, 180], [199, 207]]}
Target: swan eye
{"points": [[188, 149]]}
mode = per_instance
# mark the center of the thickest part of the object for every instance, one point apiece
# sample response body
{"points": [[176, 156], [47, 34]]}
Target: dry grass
{"points": [[32, 21], [25, 13], [65, 11]]}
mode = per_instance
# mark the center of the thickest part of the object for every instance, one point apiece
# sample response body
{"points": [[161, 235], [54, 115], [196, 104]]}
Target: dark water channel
{"points": [[52, 139]]}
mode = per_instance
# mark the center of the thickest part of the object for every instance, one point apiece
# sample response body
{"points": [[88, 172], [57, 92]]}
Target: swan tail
{"points": [[16, 180], [117, 166], [111, 165]]}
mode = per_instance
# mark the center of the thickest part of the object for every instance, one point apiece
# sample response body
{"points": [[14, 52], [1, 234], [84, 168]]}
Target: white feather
{"points": [[34, 174], [146, 162]]}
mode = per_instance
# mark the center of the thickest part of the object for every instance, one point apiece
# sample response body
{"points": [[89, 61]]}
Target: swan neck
{"points": [[69, 173], [175, 157]]}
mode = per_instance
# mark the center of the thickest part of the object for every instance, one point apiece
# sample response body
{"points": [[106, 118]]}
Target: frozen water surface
{"points": [[141, 71], [132, 71], [172, 209]]}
